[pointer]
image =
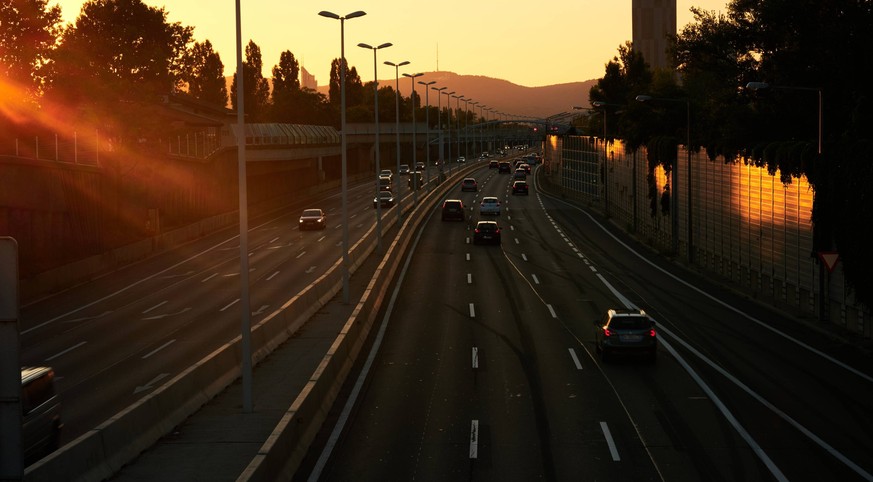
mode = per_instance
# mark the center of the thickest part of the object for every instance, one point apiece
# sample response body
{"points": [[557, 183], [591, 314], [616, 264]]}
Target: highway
{"points": [[486, 369], [116, 338]]}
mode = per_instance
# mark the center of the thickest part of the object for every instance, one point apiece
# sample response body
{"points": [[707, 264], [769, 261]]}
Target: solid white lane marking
{"points": [[472, 311], [158, 349], [162, 303], [475, 357], [68, 350], [612, 449], [575, 359], [474, 439]]}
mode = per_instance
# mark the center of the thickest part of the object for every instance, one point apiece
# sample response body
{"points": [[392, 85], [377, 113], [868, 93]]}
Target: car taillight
{"points": [[476, 230], [606, 332], [652, 333]]}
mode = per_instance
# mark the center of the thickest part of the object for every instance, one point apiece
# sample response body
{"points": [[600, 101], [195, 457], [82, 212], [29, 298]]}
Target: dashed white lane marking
{"points": [[475, 357], [472, 311], [575, 359], [536, 280], [474, 439], [469, 278], [552, 311], [612, 449], [162, 303]]}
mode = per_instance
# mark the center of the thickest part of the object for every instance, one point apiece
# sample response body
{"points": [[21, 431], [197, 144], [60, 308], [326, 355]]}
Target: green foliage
{"points": [[205, 74], [28, 32], [256, 89]]}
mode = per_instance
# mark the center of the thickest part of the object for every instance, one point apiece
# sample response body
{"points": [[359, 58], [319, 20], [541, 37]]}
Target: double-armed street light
{"points": [[378, 163], [427, 123], [458, 110], [345, 204], [439, 122], [673, 187], [449, 96], [414, 172], [397, 118]]}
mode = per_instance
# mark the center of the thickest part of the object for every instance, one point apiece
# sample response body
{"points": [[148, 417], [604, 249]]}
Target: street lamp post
{"points": [[458, 110], [449, 96], [397, 118], [466, 127], [245, 301], [427, 123], [674, 195], [378, 159], [474, 104], [345, 204], [439, 92], [823, 310], [414, 172]]}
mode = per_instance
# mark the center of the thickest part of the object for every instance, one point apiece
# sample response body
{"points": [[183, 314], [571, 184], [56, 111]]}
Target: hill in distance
{"points": [[500, 95]]}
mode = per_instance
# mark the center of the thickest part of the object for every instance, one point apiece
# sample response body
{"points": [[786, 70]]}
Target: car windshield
{"points": [[312, 212], [630, 323]]}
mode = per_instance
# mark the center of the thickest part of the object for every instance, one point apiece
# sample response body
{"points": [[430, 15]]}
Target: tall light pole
{"points": [[466, 126], [397, 119], [414, 172], [345, 195], [245, 301], [427, 123], [439, 92], [823, 309], [458, 110], [474, 116], [674, 196], [378, 164], [449, 96]]}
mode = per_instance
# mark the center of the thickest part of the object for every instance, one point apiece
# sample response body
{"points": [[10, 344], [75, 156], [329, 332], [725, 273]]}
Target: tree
{"points": [[205, 76], [28, 33], [286, 87], [119, 50], [257, 90]]}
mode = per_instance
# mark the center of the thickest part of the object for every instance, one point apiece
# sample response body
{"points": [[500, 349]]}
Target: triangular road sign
{"points": [[829, 258]]}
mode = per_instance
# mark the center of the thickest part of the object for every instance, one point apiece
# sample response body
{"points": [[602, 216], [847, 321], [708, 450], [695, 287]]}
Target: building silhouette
{"points": [[653, 21]]}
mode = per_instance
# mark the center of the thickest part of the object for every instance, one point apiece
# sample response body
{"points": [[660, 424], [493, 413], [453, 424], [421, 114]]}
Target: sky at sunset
{"points": [[530, 43]]}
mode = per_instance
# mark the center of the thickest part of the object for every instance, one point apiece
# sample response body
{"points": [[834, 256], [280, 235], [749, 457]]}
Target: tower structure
{"points": [[653, 20]]}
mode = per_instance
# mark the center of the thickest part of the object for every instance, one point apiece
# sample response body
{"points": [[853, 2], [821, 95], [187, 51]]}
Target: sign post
{"points": [[11, 451]]}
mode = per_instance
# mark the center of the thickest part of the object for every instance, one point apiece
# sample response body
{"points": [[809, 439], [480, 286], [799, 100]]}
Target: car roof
{"points": [[486, 222], [489, 198], [309, 212]]}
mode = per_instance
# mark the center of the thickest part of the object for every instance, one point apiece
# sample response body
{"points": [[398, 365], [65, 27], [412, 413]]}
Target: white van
{"points": [[41, 413]]}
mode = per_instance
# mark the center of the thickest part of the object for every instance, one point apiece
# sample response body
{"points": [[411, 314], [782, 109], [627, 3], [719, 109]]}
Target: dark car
{"points": [[626, 332], [493, 164], [486, 232], [385, 198], [519, 187], [312, 219], [519, 173], [384, 183], [453, 210], [504, 166], [469, 184], [41, 423]]}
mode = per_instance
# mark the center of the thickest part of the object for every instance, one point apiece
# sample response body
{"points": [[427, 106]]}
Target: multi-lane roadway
{"points": [[487, 371]]}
